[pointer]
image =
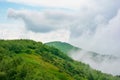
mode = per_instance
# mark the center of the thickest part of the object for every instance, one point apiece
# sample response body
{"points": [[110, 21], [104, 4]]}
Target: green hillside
{"points": [[62, 46], [66, 48], [30, 60]]}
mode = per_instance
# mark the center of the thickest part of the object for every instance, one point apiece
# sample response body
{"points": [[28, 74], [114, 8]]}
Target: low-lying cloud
{"points": [[105, 39], [105, 63]]}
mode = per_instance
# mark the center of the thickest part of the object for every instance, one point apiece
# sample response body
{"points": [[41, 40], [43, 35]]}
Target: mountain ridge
{"points": [[68, 48], [63, 46], [95, 60]]}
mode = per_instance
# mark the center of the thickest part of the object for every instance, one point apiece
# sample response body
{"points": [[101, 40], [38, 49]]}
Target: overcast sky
{"points": [[90, 24]]}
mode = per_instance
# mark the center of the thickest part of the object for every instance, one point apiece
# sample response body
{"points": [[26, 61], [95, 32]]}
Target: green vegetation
{"points": [[30, 60], [62, 46], [67, 48]]}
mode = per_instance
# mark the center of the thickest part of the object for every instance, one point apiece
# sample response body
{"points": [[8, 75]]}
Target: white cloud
{"points": [[108, 36], [18, 31], [45, 21], [104, 40], [70, 4], [105, 63], [73, 4], [51, 36], [11, 31]]}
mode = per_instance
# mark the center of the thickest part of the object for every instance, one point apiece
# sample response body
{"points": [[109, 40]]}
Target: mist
{"points": [[105, 63]]}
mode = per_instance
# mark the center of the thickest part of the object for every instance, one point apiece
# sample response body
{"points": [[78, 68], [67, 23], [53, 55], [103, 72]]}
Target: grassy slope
{"points": [[29, 60]]}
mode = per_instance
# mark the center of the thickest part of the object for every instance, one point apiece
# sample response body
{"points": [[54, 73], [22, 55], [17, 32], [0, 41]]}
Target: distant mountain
{"points": [[95, 60], [30, 60], [95, 57], [68, 48], [63, 46]]}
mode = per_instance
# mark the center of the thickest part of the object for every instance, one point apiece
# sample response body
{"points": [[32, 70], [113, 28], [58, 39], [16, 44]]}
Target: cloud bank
{"points": [[69, 4], [105, 63], [105, 39]]}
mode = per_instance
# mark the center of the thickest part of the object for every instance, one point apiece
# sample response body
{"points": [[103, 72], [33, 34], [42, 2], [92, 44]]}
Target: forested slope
{"points": [[30, 60]]}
